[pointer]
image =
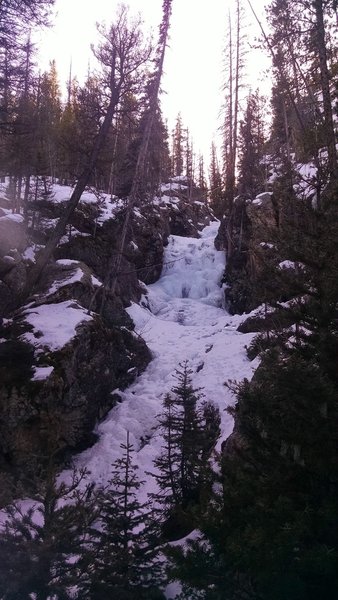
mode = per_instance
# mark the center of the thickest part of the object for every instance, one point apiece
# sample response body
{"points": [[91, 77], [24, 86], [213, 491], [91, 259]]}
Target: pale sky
{"points": [[193, 66]]}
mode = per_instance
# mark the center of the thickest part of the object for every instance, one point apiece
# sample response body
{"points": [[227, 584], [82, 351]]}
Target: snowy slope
{"points": [[180, 318]]}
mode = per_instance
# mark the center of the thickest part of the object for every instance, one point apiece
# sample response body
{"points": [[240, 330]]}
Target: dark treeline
{"points": [[46, 137], [268, 517], [270, 531]]}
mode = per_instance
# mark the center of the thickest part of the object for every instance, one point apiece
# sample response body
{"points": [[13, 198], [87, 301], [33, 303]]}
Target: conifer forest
{"points": [[169, 320]]}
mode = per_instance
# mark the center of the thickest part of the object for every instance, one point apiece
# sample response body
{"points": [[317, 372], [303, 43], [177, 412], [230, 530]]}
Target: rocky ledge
{"points": [[67, 351]]}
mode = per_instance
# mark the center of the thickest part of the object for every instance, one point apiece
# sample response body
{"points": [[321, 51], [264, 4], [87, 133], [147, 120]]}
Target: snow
{"points": [[258, 201], [13, 217], [95, 281], [74, 276], [287, 264], [54, 325], [30, 252], [181, 318], [67, 262], [107, 204], [175, 184], [74, 233], [290, 264], [164, 201], [8, 259], [41, 373], [306, 186], [132, 245]]}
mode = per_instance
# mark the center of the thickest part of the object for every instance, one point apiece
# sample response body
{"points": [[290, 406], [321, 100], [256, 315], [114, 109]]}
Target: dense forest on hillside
{"points": [[92, 187]]}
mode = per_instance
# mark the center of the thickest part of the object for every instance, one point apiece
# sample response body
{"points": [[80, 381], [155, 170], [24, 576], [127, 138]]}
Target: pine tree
{"points": [[49, 115], [189, 432], [269, 533], [16, 22], [20, 145], [126, 139], [216, 184], [124, 559], [68, 147], [299, 47], [251, 171], [202, 183], [157, 164], [122, 56], [234, 70], [178, 147], [39, 540], [153, 90]]}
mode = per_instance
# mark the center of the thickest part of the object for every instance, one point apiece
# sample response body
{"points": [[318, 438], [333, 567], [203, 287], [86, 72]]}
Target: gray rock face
{"points": [[13, 277], [58, 414], [51, 399], [12, 234]]}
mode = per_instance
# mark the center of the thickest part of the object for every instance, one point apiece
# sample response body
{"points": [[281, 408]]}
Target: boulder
{"points": [[12, 233], [51, 402]]}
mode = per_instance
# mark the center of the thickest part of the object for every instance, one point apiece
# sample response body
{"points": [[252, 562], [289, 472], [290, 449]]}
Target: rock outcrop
{"points": [[67, 352], [254, 225], [51, 398]]}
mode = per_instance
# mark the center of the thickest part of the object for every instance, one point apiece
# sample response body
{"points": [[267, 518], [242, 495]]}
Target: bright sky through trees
{"points": [[193, 66]]}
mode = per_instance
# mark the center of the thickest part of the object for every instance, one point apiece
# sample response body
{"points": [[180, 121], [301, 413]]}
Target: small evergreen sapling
{"points": [[125, 560], [189, 432]]}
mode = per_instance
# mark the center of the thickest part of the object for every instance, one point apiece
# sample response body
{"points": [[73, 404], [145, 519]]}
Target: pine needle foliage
{"points": [[189, 429], [42, 541], [124, 558]]}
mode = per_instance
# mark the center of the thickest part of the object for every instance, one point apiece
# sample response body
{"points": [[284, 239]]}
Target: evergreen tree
{"points": [[153, 89], [216, 184], [39, 541], [88, 106], [126, 138], [49, 115], [299, 47], [16, 22], [122, 56], [202, 183], [124, 560], [234, 70], [157, 164], [251, 172], [178, 147], [68, 147], [189, 432], [20, 145], [270, 532]]}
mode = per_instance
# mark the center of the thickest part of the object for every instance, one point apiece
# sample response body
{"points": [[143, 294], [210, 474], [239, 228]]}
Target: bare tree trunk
{"points": [[134, 195], [26, 196], [233, 126], [325, 85], [60, 228], [280, 69]]}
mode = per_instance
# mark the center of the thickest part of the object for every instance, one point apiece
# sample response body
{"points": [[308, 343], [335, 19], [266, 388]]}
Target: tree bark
{"points": [[134, 195], [325, 85], [80, 186]]}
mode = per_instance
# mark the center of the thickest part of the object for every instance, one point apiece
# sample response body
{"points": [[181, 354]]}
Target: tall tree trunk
{"points": [[138, 178], [325, 85], [234, 67], [60, 228]]}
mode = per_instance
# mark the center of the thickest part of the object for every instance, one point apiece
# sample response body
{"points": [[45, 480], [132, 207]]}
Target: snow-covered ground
{"points": [[181, 318]]}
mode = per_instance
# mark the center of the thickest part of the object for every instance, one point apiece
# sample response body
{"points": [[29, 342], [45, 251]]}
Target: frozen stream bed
{"points": [[181, 318]]}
